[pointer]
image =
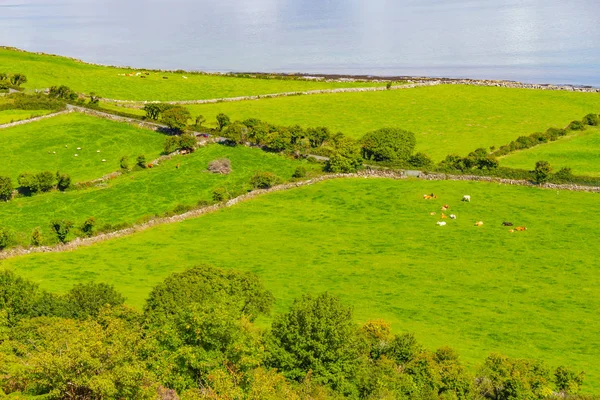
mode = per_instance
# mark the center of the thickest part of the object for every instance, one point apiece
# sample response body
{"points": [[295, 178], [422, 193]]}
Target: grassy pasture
{"points": [[447, 119], [31, 147], [375, 244], [8, 116], [43, 71], [580, 152], [143, 193]]}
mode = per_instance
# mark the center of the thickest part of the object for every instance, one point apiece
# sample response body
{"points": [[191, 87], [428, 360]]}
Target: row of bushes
{"points": [[551, 135], [196, 338], [34, 183], [11, 81], [21, 101]]}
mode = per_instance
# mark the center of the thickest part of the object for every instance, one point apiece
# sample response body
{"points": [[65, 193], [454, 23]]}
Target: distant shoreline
{"points": [[341, 77]]}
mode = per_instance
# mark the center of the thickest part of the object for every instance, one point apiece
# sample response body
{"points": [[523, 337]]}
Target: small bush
{"points": [[221, 194], [220, 166], [87, 228], [264, 180], [564, 175], [222, 121], [300, 172], [542, 171], [46, 181], [171, 144], [5, 238], [63, 181], [62, 228], [124, 163], [592, 119], [420, 160], [576, 126], [188, 142], [36, 237], [141, 161], [6, 188]]}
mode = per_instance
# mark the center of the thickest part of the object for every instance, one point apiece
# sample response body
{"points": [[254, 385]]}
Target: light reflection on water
{"points": [[553, 41]]}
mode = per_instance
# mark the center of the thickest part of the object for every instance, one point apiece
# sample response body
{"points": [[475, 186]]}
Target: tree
{"points": [[28, 182], [61, 227], [36, 237], [188, 142], [388, 144], [62, 92], [141, 161], [241, 291], [18, 79], [200, 120], [346, 157], [318, 335], [592, 119], [264, 180], [176, 118], [3, 76], [124, 163], [222, 121], [45, 181], [94, 99], [5, 238], [87, 299], [420, 160], [153, 110], [63, 181], [6, 188], [237, 133], [17, 296], [542, 171], [171, 144], [317, 136], [87, 228]]}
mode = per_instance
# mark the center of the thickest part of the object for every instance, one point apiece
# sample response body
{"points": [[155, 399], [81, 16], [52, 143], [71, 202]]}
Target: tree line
{"points": [[197, 338]]}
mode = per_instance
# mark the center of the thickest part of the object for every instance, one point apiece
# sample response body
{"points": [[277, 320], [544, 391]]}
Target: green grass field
{"points": [[143, 193], [8, 116], [375, 244], [580, 152], [40, 146], [43, 71], [447, 119]]}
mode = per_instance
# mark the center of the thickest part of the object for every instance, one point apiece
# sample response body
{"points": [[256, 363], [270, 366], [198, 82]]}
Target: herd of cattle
{"points": [[466, 198]]}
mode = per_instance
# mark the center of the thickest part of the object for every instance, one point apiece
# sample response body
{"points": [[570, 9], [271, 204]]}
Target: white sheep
{"points": [[452, 216], [441, 223], [466, 198]]}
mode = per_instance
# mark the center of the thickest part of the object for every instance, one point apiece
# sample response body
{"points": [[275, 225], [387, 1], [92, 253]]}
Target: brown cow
{"points": [[521, 228]]}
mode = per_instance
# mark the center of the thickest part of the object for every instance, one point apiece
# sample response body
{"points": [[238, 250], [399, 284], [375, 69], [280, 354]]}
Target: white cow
{"points": [[441, 223], [452, 216], [466, 197]]}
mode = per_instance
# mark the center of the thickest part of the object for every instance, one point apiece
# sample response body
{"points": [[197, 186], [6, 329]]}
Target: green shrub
{"points": [[141, 161], [171, 144], [46, 181], [220, 194], [388, 144], [176, 118], [592, 119], [63, 181], [63, 92], [28, 182], [420, 160], [124, 163], [36, 237], [222, 121], [300, 172], [61, 228], [264, 180], [6, 188], [576, 126], [236, 132], [542, 171], [87, 228], [188, 142], [5, 238]]}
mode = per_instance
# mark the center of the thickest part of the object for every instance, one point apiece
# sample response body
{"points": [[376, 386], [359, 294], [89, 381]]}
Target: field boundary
{"points": [[366, 174], [421, 83], [35, 119]]}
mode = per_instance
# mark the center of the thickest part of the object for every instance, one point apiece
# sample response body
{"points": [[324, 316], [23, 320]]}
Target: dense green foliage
{"points": [[176, 118], [196, 338], [388, 144]]}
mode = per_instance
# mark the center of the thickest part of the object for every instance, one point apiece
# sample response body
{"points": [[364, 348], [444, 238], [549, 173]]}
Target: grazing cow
{"points": [[441, 223], [452, 216], [521, 228], [429, 196], [511, 230], [466, 198], [507, 223], [150, 165], [444, 216], [432, 213], [479, 223], [445, 207]]}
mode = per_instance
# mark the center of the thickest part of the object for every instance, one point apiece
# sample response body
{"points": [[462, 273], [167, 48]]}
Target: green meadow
{"points": [[44, 71], [447, 118], [8, 116], [51, 145], [374, 243], [580, 152], [143, 193]]}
